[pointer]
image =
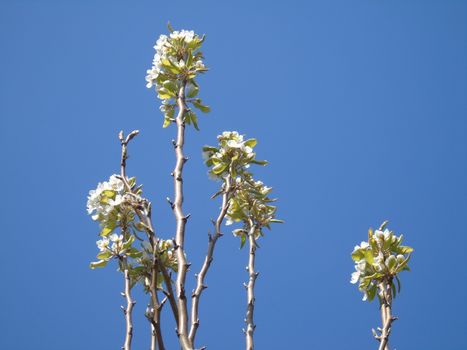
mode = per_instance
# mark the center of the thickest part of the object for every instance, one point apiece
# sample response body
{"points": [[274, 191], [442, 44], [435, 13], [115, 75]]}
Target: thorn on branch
{"points": [[170, 202]]}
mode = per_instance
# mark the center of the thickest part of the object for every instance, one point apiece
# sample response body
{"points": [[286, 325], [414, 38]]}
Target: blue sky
{"points": [[360, 107]]}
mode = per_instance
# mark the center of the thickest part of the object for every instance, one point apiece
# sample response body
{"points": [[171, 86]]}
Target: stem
{"points": [[143, 211], [386, 315], [200, 286], [181, 220], [250, 329], [156, 315], [129, 308]]}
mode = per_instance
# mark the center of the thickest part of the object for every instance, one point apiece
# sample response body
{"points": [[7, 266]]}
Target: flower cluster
{"points": [[103, 200], [120, 248], [171, 55], [249, 202], [177, 62], [165, 252], [110, 204], [232, 156], [142, 271], [379, 260]]}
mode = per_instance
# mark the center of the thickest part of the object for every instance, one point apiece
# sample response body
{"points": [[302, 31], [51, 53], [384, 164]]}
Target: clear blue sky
{"points": [[360, 107]]}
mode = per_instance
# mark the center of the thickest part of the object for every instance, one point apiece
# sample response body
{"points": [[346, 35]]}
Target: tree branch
{"points": [[250, 329], [386, 315], [156, 308], [208, 259], [181, 220], [143, 211], [129, 308]]}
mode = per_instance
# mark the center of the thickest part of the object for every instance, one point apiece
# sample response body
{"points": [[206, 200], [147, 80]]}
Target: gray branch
{"points": [[143, 211], [181, 220], [386, 315], [129, 308], [200, 286], [250, 325]]}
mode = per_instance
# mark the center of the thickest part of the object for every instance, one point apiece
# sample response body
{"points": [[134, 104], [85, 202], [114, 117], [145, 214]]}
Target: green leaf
{"points": [[259, 162], [170, 66], [209, 149], [171, 87], [107, 230], [391, 262], [219, 168], [369, 256], [404, 249], [383, 225], [104, 255], [251, 143], [189, 59], [192, 91], [169, 26], [167, 121], [129, 242], [398, 284], [393, 288], [242, 241], [194, 119], [277, 221], [134, 253], [197, 103], [165, 94], [100, 263], [371, 292], [358, 255], [109, 193]]}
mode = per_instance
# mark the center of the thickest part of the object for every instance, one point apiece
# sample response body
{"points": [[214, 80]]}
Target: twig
{"points": [[208, 259], [155, 315], [386, 316], [129, 308], [181, 220], [143, 211], [250, 326]]}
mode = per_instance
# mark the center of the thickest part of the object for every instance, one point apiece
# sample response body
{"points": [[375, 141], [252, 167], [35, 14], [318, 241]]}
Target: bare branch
{"points": [[208, 259], [156, 308], [181, 220], [129, 308], [250, 325], [386, 316]]}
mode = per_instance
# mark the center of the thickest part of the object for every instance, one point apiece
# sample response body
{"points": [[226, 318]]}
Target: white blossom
{"points": [[96, 205], [103, 244]]}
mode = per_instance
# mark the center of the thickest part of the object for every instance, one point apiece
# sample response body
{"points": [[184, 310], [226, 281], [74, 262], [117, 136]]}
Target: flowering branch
{"points": [[378, 263], [117, 204], [143, 211], [250, 326], [200, 286]]}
